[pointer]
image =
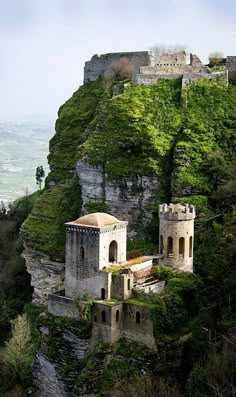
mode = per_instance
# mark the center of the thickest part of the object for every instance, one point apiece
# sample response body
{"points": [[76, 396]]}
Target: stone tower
{"points": [[176, 235], [92, 243]]}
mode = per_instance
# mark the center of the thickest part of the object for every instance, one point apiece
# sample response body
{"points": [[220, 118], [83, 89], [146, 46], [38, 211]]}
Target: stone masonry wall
{"points": [[62, 306], [100, 65], [174, 64], [127, 198], [107, 327], [139, 332], [177, 230], [231, 66]]}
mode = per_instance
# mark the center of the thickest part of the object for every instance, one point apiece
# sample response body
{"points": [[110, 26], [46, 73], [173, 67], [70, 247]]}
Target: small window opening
{"points": [[128, 284], [117, 315], [181, 247], [95, 318], [138, 317], [190, 246], [103, 293], [82, 253], [170, 247], [161, 245], [113, 252], [103, 316]]}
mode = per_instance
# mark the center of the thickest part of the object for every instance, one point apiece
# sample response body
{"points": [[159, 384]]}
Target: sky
{"points": [[45, 43]]}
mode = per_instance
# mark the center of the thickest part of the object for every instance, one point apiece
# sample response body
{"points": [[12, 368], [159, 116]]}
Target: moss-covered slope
{"points": [[143, 130]]}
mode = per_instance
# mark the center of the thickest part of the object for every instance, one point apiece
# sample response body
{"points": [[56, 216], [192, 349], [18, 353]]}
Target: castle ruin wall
{"points": [[231, 67], [138, 325], [99, 65]]}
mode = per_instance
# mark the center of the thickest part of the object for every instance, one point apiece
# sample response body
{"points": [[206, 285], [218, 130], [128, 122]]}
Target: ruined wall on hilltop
{"points": [[231, 67], [101, 64], [174, 64]]}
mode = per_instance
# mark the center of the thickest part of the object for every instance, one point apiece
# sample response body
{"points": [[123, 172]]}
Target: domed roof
{"points": [[98, 219]]}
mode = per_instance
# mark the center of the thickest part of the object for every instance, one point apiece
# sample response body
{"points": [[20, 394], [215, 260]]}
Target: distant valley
{"points": [[23, 146]]}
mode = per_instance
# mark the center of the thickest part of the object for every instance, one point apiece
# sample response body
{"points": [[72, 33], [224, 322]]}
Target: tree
{"points": [[40, 174], [19, 350], [122, 69]]}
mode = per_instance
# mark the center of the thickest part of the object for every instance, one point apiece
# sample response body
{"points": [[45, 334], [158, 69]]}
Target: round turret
{"points": [[176, 235]]}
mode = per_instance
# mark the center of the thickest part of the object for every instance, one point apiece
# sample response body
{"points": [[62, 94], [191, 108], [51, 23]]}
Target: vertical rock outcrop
{"points": [[47, 276], [128, 198]]}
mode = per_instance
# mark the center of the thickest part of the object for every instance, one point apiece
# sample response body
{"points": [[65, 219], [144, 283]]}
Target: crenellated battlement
{"points": [[176, 212]]}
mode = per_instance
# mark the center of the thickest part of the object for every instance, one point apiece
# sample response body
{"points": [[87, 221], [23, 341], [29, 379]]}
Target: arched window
{"points": [[138, 317], [103, 293], [161, 244], [117, 316], [113, 251], [170, 246], [103, 316], [81, 252], [190, 246], [128, 284], [181, 246]]}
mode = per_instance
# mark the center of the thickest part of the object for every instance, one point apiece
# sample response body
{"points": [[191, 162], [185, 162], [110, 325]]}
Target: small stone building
{"points": [[92, 243], [176, 236], [96, 267]]}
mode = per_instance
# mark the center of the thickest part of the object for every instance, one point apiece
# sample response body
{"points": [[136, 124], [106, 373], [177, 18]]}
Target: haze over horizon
{"points": [[44, 44]]}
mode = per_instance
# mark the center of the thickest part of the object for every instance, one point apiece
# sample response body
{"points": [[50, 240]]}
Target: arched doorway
{"points": [[181, 247], [138, 317], [103, 293], [190, 246], [117, 315], [170, 246], [113, 251], [161, 244]]}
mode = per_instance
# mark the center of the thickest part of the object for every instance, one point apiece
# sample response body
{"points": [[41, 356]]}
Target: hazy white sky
{"points": [[44, 43]]}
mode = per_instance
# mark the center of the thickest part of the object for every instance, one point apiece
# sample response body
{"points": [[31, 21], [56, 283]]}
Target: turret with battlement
{"points": [[176, 235]]}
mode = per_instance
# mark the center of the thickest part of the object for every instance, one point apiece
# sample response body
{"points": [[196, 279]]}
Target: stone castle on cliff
{"points": [[97, 267], [165, 66]]}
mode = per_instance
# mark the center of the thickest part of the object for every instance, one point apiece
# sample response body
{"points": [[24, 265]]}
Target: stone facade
{"points": [[138, 325], [177, 235], [62, 306], [174, 64], [112, 321], [88, 251], [130, 198], [101, 65], [231, 67]]}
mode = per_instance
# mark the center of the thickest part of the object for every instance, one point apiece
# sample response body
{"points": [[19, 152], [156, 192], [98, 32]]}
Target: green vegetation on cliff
{"points": [[143, 130]]}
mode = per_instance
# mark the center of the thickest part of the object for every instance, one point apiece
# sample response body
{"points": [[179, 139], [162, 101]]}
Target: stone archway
{"points": [[113, 249]]}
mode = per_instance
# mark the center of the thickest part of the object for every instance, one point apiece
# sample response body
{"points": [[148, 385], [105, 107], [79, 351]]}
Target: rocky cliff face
{"points": [[47, 276], [57, 364], [128, 198]]}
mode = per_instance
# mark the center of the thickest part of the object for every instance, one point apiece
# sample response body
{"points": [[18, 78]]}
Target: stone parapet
{"points": [[176, 212], [62, 306]]}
